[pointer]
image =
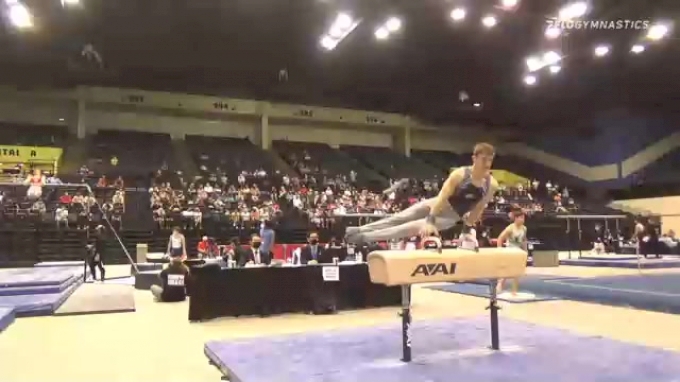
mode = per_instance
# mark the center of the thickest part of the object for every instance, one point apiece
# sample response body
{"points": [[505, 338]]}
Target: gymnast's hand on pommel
{"points": [[428, 230]]}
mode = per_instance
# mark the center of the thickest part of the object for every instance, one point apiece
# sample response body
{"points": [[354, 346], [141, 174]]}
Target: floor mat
{"points": [[17, 277], [99, 298], [443, 351], [38, 304], [479, 290], [6, 318]]}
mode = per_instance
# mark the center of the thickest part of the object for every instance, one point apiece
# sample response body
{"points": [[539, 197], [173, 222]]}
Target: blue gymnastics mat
{"points": [[24, 277], [44, 304], [623, 263], [39, 289], [443, 351], [6, 317], [479, 290]]}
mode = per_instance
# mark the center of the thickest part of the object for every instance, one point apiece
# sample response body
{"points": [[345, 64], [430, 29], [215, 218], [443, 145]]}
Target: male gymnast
{"points": [[464, 195]]}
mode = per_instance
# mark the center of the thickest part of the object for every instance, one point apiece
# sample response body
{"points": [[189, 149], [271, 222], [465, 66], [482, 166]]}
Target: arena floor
{"points": [[158, 343]]}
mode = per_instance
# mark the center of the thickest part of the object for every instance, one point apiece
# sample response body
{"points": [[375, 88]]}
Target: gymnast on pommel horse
{"points": [[408, 267]]}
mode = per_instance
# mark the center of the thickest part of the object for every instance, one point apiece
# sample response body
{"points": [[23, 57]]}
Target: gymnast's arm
{"points": [[476, 214], [448, 188], [503, 236]]}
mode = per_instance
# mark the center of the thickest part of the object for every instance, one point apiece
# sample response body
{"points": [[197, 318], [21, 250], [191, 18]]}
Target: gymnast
{"points": [[463, 196], [515, 236]]}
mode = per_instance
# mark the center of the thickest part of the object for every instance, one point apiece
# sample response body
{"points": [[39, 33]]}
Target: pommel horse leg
{"points": [[406, 322], [493, 309]]}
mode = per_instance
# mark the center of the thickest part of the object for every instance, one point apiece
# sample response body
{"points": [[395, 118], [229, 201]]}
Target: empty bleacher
{"points": [[32, 135], [319, 159], [138, 154], [390, 163], [229, 155], [442, 160]]}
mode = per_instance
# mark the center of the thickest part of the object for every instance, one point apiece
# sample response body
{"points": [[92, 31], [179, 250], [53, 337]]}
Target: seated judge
{"points": [[174, 280], [312, 252], [255, 255], [206, 248]]}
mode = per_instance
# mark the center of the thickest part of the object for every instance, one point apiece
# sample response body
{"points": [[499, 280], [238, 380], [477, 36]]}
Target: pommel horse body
{"points": [[408, 267]]}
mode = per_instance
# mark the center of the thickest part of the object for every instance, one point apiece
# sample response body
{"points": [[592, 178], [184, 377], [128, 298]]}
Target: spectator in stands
{"points": [[174, 280], [256, 256], [268, 236], [65, 199], [103, 182], [61, 216], [35, 184], [206, 248], [177, 245], [312, 252], [119, 183]]}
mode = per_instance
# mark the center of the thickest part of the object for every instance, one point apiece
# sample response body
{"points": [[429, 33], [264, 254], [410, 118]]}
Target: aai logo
{"points": [[434, 269]]}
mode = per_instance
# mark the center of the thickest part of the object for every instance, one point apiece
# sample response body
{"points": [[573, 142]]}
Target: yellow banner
{"points": [[506, 177], [29, 154]]}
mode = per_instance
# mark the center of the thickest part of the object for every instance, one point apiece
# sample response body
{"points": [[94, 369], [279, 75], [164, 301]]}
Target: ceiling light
{"points": [[329, 43], [382, 33], [489, 21], [20, 16], [530, 80], [393, 24], [509, 3], [637, 49], [601, 51], [70, 3], [657, 31], [344, 21], [554, 69], [458, 14], [477, 104], [552, 32], [534, 64], [573, 11], [551, 57]]}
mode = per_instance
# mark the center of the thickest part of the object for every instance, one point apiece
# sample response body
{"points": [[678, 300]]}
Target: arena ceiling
{"points": [[433, 67]]}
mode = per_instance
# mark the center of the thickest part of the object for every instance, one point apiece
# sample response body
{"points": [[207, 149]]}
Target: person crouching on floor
{"points": [[174, 280]]}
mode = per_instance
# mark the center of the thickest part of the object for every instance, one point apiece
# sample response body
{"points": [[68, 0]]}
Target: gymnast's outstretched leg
{"points": [[417, 211], [446, 220]]}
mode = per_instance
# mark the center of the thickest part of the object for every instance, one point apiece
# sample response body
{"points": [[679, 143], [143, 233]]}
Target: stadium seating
{"points": [[392, 164], [230, 155], [319, 159], [32, 135], [137, 154]]}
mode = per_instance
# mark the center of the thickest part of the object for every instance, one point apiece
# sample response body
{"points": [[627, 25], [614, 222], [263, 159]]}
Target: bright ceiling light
{"points": [[11, 2], [657, 31], [458, 14], [70, 3], [530, 80], [601, 51], [489, 21], [637, 49], [393, 24], [20, 16], [573, 11], [554, 69], [551, 57], [534, 64], [344, 21], [552, 32], [382, 33], [509, 3], [329, 43]]}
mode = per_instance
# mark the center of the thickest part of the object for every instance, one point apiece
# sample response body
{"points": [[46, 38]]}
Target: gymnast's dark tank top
{"points": [[467, 195]]}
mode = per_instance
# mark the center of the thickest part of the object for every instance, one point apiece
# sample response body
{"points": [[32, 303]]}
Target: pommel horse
{"points": [[408, 267]]}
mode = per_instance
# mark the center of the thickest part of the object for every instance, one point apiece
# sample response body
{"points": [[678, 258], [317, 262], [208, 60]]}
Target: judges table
{"points": [[221, 292]]}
